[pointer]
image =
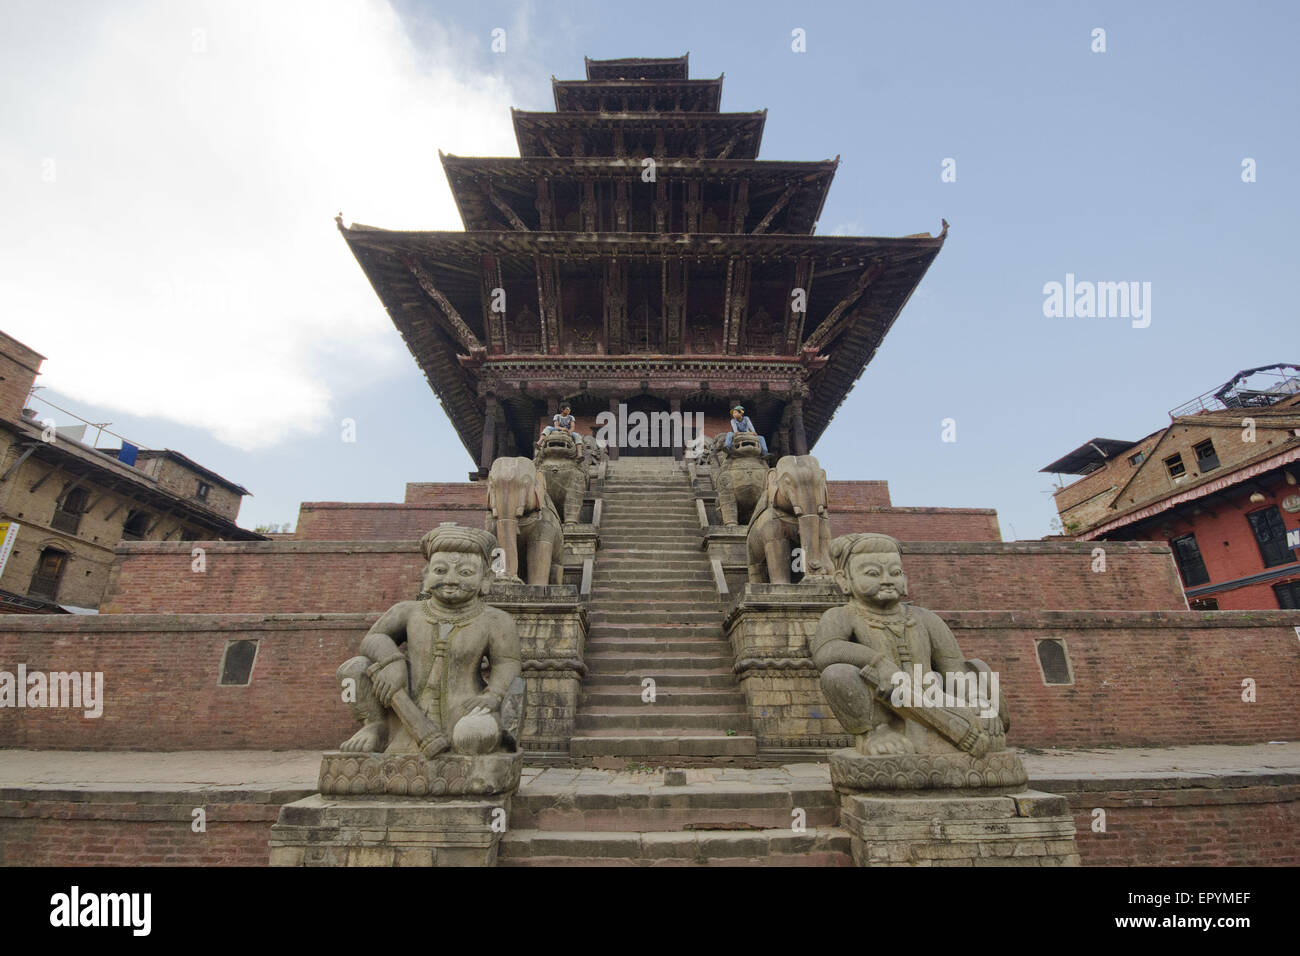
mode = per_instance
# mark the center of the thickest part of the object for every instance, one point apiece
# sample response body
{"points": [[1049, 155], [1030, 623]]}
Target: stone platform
{"points": [[1200, 805]]}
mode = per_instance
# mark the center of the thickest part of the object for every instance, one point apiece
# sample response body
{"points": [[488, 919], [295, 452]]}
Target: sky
{"points": [[170, 173]]}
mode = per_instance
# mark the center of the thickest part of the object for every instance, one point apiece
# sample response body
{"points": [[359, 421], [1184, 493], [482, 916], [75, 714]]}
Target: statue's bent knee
{"points": [[850, 698]]}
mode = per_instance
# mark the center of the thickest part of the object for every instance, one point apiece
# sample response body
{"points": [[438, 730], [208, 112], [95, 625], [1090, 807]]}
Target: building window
{"points": [[237, 663], [1054, 661], [68, 512], [1288, 595], [1137, 459], [202, 492], [1205, 604], [1191, 567], [1270, 535], [49, 570], [1174, 465], [1206, 457], [136, 527]]}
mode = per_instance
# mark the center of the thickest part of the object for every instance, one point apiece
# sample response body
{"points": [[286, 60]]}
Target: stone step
{"points": [[780, 846], [667, 679], [617, 695], [648, 614], [698, 597], [605, 572], [686, 742], [651, 649], [667, 718], [727, 805]]}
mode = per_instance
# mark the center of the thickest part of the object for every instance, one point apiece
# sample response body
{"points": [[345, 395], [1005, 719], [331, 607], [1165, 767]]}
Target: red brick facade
{"points": [[345, 576], [1140, 679]]}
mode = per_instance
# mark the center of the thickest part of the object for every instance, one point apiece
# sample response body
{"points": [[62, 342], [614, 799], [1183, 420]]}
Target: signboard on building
{"points": [[8, 534]]}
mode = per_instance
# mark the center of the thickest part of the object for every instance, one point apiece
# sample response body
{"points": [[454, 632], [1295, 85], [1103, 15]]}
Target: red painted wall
{"points": [[1228, 545]]}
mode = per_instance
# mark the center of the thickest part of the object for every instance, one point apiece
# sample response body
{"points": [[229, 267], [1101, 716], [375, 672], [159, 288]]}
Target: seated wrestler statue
{"points": [[862, 647], [432, 697]]}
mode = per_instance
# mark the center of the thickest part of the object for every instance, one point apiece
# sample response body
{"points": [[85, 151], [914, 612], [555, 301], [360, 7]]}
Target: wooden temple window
{"points": [[49, 571], [68, 512]]}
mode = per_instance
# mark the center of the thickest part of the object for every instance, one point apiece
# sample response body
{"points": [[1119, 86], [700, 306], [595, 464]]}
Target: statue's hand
{"points": [[482, 704], [389, 681], [879, 672]]}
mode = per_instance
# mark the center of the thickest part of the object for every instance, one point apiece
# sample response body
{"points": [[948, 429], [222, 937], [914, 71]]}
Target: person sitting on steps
{"points": [[740, 423]]}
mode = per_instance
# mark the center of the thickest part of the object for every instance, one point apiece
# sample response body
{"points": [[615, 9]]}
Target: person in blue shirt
{"points": [[740, 423], [562, 422]]}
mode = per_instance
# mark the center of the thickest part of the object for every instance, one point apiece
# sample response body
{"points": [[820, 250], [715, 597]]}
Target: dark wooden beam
{"points": [[777, 206], [512, 217], [459, 330], [793, 326], [830, 325]]}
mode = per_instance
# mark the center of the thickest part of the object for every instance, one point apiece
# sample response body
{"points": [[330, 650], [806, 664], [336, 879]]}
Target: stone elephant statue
{"points": [[562, 462], [792, 511], [741, 479], [525, 522]]}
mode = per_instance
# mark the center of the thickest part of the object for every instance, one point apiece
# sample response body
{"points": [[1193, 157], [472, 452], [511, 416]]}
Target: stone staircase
{"points": [[654, 613], [719, 817]]}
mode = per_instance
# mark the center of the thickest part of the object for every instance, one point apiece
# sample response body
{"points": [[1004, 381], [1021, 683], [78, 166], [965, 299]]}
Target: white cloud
{"points": [[183, 263]]}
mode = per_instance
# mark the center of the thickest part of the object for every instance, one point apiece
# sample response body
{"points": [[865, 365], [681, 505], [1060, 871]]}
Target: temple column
{"points": [[489, 434], [675, 406], [612, 451], [797, 433]]}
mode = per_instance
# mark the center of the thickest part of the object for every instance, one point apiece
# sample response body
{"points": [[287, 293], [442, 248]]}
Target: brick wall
{"points": [[1230, 821], [919, 524], [153, 577], [1143, 679], [160, 681], [95, 828], [380, 521], [19, 366], [1140, 678], [1222, 822], [857, 494]]}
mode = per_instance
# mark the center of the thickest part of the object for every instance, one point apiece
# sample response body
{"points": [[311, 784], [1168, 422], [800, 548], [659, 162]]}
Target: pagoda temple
{"points": [[638, 252]]}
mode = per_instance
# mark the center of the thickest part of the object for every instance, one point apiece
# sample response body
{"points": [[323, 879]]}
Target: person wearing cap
{"points": [[740, 423]]}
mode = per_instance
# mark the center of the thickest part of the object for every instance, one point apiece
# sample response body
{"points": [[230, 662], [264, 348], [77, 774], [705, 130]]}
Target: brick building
{"points": [[65, 505], [1219, 484]]}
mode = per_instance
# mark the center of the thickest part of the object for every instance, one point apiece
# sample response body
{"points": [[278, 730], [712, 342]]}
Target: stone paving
{"points": [[253, 770]]}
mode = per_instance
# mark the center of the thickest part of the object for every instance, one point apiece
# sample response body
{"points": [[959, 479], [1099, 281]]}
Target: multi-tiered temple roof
{"points": [[637, 250]]}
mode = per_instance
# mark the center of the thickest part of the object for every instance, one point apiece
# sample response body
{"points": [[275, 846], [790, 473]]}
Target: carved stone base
{"points": [[959, 828], [390, 831], [852, 771], [352, 774]]}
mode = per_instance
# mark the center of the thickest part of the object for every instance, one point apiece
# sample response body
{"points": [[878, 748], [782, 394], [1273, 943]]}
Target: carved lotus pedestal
{"points": [[400, 810], [949, 809]]}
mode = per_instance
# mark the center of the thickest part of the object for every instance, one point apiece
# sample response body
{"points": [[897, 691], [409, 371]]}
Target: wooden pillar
{"points": [[489, 434], [675, 406], [612, 451], [797, 432]]}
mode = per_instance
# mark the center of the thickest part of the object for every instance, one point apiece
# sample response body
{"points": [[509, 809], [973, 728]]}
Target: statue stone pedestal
{"points": [[400, 810], [769, 627], [949, 810]]}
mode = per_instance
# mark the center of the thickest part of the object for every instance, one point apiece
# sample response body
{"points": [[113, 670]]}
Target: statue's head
{"points": [[459, 561], [870, 567]]}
